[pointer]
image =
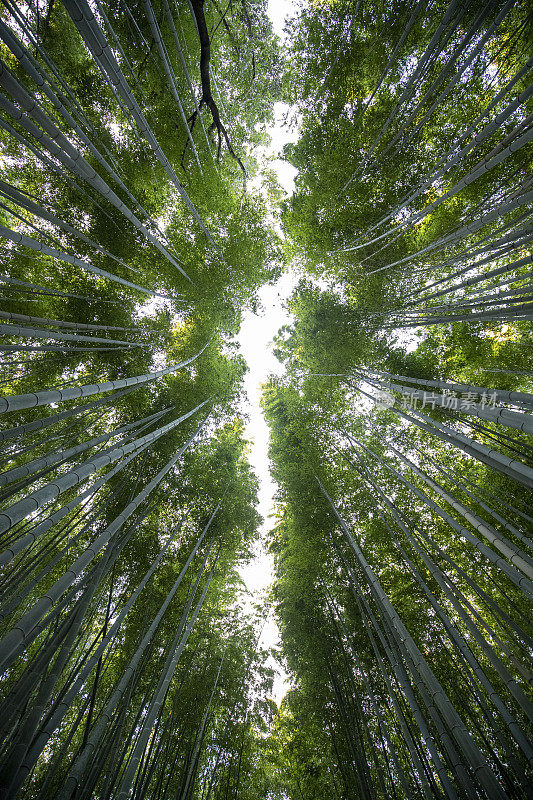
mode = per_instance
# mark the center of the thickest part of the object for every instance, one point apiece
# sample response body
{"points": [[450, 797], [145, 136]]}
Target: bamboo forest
{"points": [[142, 218]]}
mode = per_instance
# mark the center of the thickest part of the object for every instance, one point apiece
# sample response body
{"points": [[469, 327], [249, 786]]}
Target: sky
{"points": [[255, 342], [277, 11]]}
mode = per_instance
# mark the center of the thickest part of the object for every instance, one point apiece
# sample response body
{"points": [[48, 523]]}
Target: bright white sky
{"points": [[255, 341]]}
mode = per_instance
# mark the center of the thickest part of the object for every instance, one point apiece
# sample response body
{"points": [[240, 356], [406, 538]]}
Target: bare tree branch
{"points": [[207, 96]]}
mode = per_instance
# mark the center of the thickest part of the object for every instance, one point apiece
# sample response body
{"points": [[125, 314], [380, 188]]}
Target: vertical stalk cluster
{"points": [[126, 502]]}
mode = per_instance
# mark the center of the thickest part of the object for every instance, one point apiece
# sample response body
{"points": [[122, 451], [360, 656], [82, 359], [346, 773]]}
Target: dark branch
{"points": [[207, 96], [223, 21]]}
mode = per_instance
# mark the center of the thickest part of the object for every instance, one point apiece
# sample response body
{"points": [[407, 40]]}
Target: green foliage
{"points": [[132, 664]]}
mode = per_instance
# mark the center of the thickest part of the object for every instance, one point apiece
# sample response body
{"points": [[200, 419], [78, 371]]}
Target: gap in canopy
{"points": [[256, 346]]}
